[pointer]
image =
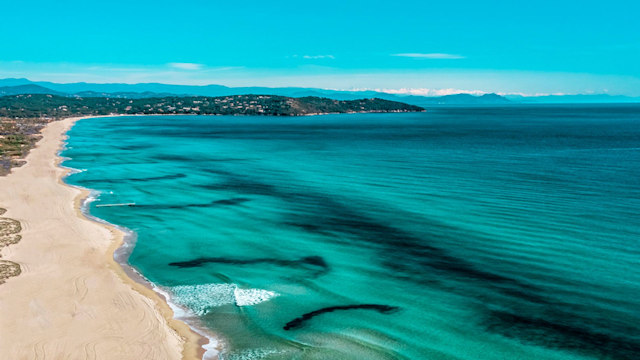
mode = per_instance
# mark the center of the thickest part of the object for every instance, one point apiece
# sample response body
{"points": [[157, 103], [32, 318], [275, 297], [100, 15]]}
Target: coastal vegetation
{"points": [[17, 137], [56, 107]]}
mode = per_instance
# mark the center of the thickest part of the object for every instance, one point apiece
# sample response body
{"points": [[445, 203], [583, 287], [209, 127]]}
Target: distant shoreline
{"points": [[57, 107]]}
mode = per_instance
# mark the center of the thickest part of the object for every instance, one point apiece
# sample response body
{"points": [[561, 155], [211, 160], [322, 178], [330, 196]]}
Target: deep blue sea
{"points": [[459, 233]]}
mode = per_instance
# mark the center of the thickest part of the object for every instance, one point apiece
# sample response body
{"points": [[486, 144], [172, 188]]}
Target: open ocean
{"points": [[459, 233]]}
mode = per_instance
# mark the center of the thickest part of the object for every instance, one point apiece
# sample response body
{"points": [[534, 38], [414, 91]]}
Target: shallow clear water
{"points": [[476, 233]]}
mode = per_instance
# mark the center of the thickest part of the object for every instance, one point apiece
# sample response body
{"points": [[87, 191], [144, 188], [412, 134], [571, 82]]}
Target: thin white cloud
{"points": [[186, 66], [313, 57], [223, 68], [429, 56]]}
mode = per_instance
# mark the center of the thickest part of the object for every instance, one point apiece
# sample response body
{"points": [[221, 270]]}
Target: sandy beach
{"points": [[71, 300]]}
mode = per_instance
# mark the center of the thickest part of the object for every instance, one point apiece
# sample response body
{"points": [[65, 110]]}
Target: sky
{"points": [[414, 47]]}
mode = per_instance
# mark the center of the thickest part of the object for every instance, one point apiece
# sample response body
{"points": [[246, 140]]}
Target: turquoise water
{"points": [[468, 233]]}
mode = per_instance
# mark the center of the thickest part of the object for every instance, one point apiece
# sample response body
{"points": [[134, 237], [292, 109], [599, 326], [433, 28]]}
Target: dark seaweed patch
{"points": [[563, 333], [216, 203], [400, 251], [155, 178], [418, 259], [172, 157], [216, 172], [232, 201], [299, 321], [243, 187], [315, 263], [143, 179], [135, 147]]}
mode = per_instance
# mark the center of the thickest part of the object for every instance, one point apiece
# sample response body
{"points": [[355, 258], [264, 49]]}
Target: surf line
{"points": [[297, 322]]}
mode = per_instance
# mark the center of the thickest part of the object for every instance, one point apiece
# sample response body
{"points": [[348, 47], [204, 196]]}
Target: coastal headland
{"points": [[64, 296], [54, 106]]}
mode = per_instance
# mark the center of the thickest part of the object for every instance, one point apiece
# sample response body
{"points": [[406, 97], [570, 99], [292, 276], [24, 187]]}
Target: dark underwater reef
{"points": [[569, 334], [299, 321], [529, 313], [315, 263], [215, 203], [136, 179]]}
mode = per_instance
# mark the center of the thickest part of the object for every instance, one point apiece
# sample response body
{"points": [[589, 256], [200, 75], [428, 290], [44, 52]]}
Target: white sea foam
{"points": [[202, 298], [211, 349], [247, 297], [73, 171], [94, 195], [250, 354]]}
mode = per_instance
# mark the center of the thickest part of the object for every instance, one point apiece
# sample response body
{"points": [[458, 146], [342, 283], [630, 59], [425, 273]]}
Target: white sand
{"points": [[72, 300]]}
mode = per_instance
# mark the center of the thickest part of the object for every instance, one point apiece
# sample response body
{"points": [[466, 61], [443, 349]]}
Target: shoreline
{"points": [[203, 341], [195, 343], [128, 319]]}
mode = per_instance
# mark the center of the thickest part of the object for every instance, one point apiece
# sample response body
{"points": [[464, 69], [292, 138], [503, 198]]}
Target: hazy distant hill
{"points": [[148, 90], [155, 88], [27, 89], [121, 95]]}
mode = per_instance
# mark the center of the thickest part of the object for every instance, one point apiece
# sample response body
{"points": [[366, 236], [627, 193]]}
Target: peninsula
{"points": [[56, 107]]}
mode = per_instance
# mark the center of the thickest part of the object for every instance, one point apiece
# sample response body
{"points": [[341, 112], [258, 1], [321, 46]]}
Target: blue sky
{"points": [[400, 46]]}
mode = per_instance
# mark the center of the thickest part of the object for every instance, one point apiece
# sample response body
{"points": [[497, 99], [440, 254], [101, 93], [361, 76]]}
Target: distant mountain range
{"points": [[149, 90]]}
